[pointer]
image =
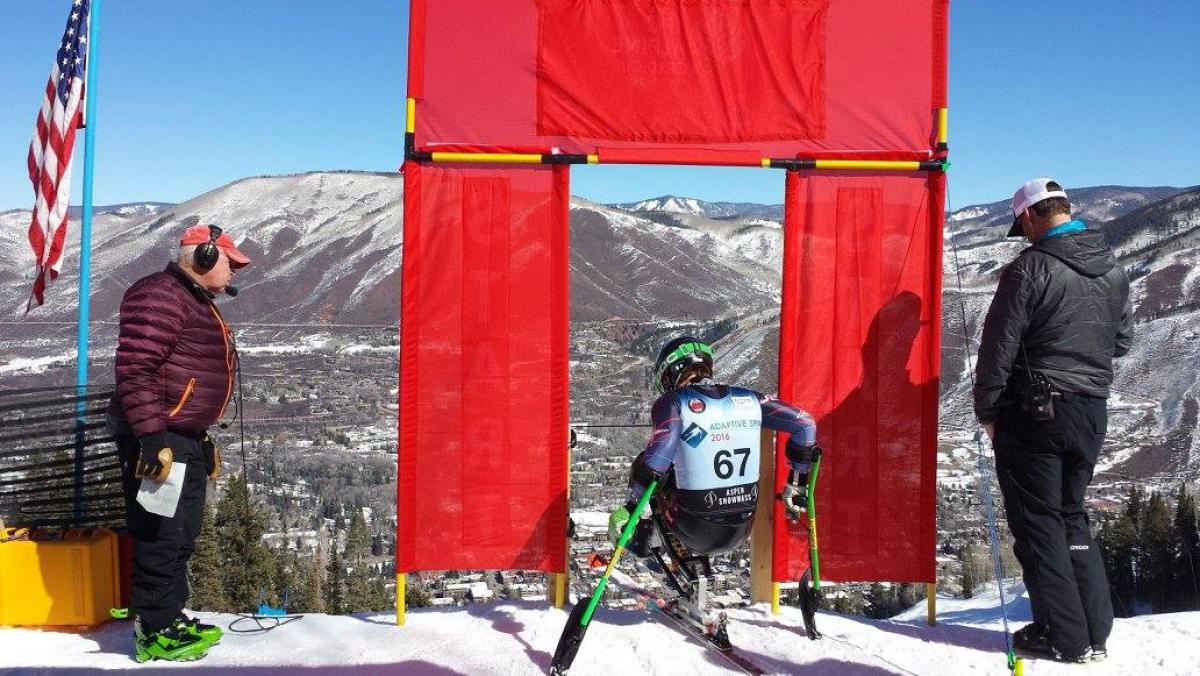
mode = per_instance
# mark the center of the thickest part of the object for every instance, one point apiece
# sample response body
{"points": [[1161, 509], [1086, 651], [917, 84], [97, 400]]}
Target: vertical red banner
{"points": [[859, 344], [482, 479]]}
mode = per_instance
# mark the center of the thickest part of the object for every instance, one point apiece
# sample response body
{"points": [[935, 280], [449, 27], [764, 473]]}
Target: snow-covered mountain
{"points": [[697, 207], [1156, 234], [327, 245], [519, 638]]}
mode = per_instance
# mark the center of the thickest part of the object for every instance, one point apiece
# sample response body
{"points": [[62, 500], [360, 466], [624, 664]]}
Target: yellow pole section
{"points": [[943, 130], [560, 589], [774, 598], [559, 580], [766, 162], [410, 123], [593, 159], [892, 165], [761, 584], [931, 603], [400, 583], [507, 158]]}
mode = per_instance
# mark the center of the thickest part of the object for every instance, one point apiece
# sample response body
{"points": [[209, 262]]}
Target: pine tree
{"points": [[246, 564], [204, 569], [1118, 541], [967, 578], [381, 598], [880, 601], [288, 579], [415, 593], [358, 539], [1187, 563], [335, 574], [1157, 556], [307, 595], [358, 588], [358, 543]]}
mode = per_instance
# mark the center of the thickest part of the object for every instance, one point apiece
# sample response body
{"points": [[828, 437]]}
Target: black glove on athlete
{"points": [[795, 492]]}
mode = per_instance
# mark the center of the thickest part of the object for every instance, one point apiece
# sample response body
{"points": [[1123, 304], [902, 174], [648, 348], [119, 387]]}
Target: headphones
{"points": [[207, 254]]}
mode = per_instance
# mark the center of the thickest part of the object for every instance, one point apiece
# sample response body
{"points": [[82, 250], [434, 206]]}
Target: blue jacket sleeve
{"points": [[783, 417], [660, 450]]}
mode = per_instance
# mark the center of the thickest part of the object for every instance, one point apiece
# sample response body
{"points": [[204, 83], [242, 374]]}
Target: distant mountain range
{"points": [[697, 207], [327, 247]]}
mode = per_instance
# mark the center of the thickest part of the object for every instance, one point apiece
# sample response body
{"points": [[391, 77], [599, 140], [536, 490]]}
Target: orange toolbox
{"points": [[58, 578]]}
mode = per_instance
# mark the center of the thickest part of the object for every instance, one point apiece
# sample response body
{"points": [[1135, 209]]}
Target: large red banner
{"points": [[859, 344], [684, 70], [483, 375], [780, 78]]}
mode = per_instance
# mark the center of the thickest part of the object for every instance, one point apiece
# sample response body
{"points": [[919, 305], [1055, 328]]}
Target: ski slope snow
{"points": [[519, 638]]}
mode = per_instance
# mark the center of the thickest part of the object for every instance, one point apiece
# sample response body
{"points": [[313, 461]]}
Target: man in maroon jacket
{"points": [[175, 366]]}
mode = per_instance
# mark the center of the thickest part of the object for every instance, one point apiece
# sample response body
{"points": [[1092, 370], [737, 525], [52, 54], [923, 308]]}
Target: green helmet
{"points": [[677, 357]]}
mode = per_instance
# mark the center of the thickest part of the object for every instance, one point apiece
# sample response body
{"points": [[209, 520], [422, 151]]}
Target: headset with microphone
{"points": [[206, 255]]}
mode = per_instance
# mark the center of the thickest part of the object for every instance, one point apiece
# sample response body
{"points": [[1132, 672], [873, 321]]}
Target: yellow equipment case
{"points": [[58, 578]]}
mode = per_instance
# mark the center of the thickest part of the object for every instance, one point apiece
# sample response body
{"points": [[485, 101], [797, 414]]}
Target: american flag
{"points": [[50, 151]]}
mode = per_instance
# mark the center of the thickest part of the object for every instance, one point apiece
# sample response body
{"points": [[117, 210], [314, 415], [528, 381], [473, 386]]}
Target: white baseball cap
{"points": [[1028, 195]]}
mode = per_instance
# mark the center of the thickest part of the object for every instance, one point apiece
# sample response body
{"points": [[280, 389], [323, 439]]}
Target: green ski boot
{"points": [[169, 644], [210, 633]]}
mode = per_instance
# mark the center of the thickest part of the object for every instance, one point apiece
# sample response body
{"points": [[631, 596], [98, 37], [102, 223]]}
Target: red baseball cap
{"points": [[200, 234]]}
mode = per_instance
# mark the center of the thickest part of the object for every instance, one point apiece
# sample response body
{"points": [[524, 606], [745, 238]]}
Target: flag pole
{"points": [[85, 247]]}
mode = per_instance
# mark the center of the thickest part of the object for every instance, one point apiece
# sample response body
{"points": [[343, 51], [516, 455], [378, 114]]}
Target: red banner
{"points": [[859, 345], [686, 70], [779, 78], [483, 374]]}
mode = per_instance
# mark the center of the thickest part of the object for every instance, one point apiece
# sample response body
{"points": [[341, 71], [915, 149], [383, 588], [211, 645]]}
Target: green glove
{"points": [[618, 519]]}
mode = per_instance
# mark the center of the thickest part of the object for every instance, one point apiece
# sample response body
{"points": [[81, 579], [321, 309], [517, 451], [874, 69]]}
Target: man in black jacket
{"points": [[1060, 315]]}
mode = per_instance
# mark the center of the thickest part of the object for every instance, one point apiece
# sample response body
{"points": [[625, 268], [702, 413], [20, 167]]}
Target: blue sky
{"points": [[1091, 93]]}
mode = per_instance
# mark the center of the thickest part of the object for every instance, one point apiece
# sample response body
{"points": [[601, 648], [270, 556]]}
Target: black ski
{"points": [[810, 600], [694, 631]]}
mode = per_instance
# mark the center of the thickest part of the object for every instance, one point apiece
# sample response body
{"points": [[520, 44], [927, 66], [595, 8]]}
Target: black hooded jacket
{"points": [[1067, 300]]}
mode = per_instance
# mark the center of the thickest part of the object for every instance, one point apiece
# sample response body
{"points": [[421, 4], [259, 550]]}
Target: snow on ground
{"points": [[519, 638], [37, 365]]}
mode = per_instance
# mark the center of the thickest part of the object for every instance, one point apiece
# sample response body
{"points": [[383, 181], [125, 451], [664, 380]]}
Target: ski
{"points": [[718, 641]]}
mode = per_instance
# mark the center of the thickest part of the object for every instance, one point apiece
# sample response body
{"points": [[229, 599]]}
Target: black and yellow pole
{"points": [[942, 144], [439, 157], [410, 128]]}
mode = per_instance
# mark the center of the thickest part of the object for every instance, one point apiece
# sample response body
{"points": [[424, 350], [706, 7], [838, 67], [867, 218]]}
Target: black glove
{"points": [[795, 493], [212, 457], [801, 455], [154, 461]]}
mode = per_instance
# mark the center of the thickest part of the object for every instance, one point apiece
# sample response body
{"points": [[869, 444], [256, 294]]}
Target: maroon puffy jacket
{"points": [[175, 356]]}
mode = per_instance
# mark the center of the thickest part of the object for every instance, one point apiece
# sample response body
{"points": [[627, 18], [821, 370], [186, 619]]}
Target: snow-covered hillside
{"points": [[519, 638], [697, 207]]}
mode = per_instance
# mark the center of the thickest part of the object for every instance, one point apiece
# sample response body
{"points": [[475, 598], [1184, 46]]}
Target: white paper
{"points": [[162, 499]]}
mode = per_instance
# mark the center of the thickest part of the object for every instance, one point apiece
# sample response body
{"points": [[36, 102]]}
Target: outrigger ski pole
{"points": [[810, 581], [581, 614]]}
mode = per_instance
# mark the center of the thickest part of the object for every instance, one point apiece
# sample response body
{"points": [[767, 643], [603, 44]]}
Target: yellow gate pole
{"points": [[559, 582], [931, 603], [401, 579], [762, 588]]}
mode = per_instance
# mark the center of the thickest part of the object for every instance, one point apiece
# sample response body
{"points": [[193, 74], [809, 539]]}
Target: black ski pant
{"points": [[1044, 468], [161, 545]]}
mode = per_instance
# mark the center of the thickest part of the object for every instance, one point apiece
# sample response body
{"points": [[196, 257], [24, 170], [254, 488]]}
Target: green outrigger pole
{"points": [[810, 598], [581, 614]]}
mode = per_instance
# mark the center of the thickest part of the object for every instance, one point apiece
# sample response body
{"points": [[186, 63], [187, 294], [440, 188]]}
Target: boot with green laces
{"points": [[194, 627], [168, 644]]}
